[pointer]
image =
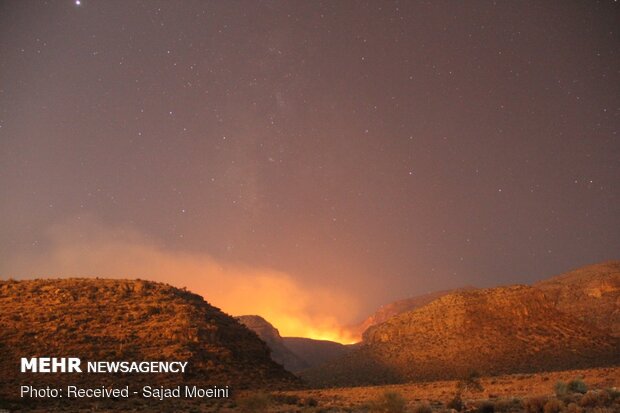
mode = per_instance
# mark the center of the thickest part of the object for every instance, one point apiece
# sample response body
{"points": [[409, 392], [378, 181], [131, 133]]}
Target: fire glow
{"points": [[296, 310]]}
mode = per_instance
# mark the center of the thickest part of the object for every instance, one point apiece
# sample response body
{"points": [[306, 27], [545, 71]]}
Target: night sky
{"points": [[349, 153]]}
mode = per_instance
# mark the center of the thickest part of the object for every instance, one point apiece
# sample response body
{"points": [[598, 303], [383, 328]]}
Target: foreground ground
{"points": [[505, 393], [597, 391]]}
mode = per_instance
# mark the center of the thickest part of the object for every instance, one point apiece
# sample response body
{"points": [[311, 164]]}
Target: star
{"points": [[78, 2]]}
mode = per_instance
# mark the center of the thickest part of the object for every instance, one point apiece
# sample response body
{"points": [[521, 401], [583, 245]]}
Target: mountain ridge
{"points": [[494, 331], [294, 353], [280, 353]]}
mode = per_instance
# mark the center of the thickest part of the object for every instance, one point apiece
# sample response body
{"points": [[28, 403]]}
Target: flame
{"points": [[316, 329], [339, 336]]}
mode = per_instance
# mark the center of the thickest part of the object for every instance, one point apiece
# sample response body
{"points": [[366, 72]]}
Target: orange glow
{"points": [[317, 329], [341, 336], [87, 248]]}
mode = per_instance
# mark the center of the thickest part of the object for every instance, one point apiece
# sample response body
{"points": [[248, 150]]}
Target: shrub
{"points": [[312, 402], [389, 402], [456, 403], [152, 310], [422, 408], [573, 408], [614, 394], [506, 405], [534, 404], [561, 389], [286, 399], [471, 383], [577, 386], [594, 399], [486, 407], [255, 403], [554, 406]]}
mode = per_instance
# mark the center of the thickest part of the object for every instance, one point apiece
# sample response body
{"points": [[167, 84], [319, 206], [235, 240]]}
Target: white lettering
{"points": [[29, 365], [50, 365]]}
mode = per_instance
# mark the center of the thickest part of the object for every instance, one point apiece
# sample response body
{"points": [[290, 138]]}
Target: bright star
{"points": [[78, 2]]}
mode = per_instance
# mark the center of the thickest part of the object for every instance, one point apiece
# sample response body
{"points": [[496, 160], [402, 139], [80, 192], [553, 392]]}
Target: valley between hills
{"points": [[550, 347]]}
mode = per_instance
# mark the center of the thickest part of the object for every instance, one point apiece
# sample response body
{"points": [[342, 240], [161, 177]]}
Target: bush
{"points": [[561, 389], [486, 407], [577, 386], [573, 408], [312, 402], [286, 399], [614, 394], [389, 402], [456, 403], [595, 399], [255, 403], [535, 404], [153, 310], [507, 405], [471, 383], [554, 406], [422, 408]]}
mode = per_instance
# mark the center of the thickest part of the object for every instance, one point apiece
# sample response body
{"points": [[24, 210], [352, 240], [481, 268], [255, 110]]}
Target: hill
{"points": [[591, 294], [492, 331], [280, 353], [125, 320], [317, 352], [294, 353], [387, 311]]}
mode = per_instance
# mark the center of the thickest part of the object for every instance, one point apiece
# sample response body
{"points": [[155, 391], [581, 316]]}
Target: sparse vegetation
{"points": [[486, 407], [614, 394], [126, 320], [507, 405], [554, 406], [173, 326], [573, 408], [254, 403], [470, 383], [311, 402], [422, 408], [534, 404], [595, 398], [577, 386], [561, 389], [290, 399], [389, 402], [456, 403]]}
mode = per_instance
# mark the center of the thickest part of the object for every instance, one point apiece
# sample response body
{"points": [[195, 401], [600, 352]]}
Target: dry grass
{"points": [[507, 393]]}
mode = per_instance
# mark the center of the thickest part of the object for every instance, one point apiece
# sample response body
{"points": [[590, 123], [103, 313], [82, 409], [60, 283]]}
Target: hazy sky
{"points": [[371, 150]]}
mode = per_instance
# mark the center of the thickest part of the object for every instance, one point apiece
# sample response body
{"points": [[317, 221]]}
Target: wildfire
{"points": [[316, 329]]}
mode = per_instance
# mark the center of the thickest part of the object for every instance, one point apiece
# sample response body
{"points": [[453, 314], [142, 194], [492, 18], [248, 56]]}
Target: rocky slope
{"points": [[591, 294], [118, 320], [492, 331], [280, 353], [316, 352], [395, 308], [294, 353]]}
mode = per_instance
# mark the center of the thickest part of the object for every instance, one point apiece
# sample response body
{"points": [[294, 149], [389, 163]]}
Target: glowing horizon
{"points": [[295, 309]]}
